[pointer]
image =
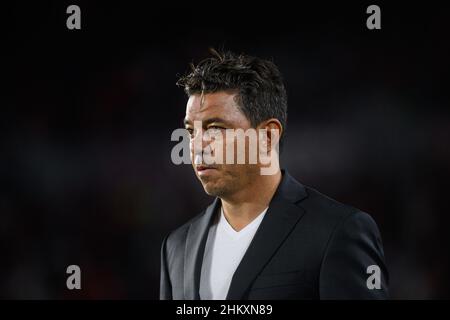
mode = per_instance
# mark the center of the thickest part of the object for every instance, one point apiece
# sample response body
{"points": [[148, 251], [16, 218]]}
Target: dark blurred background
{"points": [[86, 119]]}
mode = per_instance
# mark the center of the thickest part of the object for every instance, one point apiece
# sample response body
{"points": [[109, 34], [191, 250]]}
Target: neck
{"points": [[243, 207]]}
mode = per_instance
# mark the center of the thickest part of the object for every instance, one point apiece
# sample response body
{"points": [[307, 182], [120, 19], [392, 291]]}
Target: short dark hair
{"points": [[260, 90]]}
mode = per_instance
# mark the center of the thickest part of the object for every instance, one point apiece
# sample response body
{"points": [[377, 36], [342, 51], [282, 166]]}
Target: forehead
{"points": [[214, 105]]}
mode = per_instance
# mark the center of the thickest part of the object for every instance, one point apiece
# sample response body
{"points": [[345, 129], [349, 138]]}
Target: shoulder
{"points": [[330, 215], [325, 207]]}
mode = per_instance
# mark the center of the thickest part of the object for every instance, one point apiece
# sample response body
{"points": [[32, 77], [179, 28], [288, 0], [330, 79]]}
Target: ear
{"points": [[269, 125]]}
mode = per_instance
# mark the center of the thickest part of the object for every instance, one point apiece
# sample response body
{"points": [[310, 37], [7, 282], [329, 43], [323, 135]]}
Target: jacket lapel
{"points": [[280, 219], [193, 254]]}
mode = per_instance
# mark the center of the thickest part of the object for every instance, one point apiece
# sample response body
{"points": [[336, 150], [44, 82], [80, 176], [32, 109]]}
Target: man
{"points": [[265, 236]]}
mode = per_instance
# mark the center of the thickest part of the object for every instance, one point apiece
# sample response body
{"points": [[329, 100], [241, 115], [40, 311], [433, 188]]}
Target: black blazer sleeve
{"points": [[165, 289], [354, 246]]}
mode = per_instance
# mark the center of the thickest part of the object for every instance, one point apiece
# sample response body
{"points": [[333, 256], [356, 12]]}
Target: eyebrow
{"points": [[207, 121]]}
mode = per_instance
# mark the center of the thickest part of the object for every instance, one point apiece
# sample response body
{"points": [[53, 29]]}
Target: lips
{"points": [[201, 168]]}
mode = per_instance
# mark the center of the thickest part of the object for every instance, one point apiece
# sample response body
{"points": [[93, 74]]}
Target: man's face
{"points": [[217, 112]]}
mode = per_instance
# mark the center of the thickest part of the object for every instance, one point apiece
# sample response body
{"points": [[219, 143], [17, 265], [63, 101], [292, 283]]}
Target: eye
{"points": [[216, 128], [190, 131]]}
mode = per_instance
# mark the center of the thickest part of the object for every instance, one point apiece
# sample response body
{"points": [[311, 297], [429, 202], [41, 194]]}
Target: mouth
{"points": [[203, 169]]}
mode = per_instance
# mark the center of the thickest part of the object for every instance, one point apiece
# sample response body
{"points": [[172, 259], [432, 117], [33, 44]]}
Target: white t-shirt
{"points": [[224, 250]]}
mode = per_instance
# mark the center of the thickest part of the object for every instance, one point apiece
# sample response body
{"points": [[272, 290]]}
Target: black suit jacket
{"points": [[308, 246]]}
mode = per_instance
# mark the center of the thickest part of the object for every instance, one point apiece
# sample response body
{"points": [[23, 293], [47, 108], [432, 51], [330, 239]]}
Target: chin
{"points": [[212, 189]]}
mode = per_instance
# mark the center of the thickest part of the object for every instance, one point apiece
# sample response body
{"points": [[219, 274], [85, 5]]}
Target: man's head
{"points": [[229, 91]]}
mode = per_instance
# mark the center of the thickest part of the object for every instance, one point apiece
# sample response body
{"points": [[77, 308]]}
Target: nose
{"points": [[199, 145]]}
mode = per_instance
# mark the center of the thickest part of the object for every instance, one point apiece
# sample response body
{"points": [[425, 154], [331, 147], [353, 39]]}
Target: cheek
{"points": [[229, 150], [192, 152], [237, 150], [191, 147]]}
